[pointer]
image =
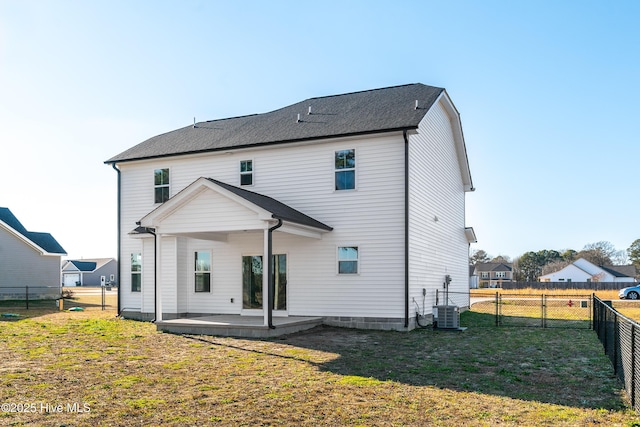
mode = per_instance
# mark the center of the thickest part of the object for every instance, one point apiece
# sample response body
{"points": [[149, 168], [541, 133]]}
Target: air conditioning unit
{"points": [[448, 316]]}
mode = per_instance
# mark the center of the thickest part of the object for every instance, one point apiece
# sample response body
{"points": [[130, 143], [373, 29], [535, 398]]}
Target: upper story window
{"points": [[161, 185], [484, 274], [348, 260], [136, 272], [501, 274], [345, 169], [246, 172]]}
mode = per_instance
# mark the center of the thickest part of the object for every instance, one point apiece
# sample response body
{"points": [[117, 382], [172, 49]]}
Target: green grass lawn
{"points": [[103, 371]]}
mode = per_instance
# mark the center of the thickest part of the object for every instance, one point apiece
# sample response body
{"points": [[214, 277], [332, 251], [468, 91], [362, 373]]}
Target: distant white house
{"points": [[582, 270], [88, 272], [27, 258]]}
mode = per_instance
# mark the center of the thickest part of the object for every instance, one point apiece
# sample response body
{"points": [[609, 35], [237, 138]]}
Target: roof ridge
{"points": [[363, 91]]}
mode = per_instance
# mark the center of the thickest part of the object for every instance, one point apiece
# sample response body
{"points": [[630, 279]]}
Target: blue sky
{"points": [[547, 90]]}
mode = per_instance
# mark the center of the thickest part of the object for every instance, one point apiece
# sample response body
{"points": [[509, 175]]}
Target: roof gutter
{"points": [[406, 228], [272, 288], [119, 199], [259, 144]]}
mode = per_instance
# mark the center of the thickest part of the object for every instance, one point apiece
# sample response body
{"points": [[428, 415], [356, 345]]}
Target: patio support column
{"points": [[158, 276], [266, 273]]}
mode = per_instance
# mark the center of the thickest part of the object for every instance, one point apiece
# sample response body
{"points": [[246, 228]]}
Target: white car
{"points": [[630, 293]]}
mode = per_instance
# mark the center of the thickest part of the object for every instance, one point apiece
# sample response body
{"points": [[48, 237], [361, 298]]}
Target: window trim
{"points": [[247, 173], [357, 260], [138, 272], [336, 170], [196, 271], [156, 186]]}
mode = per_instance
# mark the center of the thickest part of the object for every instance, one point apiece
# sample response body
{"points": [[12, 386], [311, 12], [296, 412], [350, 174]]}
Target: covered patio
{"points": [[212, 211], [235, 325]]}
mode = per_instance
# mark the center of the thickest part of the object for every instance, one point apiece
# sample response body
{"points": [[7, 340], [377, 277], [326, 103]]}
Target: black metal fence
{"points": [[620, 337], [592, 286], [29, 296], [536, 310]]}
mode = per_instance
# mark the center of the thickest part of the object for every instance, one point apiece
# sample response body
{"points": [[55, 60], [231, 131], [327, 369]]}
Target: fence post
{"points": [[633, 366], [544, 311], [103, 297], [616, 342], [26, 290], [497, 308]]}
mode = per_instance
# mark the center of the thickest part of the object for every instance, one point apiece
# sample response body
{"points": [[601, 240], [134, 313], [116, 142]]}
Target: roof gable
{"points": [[265, 207], [86, 266], [371, 111], [44, 242]]}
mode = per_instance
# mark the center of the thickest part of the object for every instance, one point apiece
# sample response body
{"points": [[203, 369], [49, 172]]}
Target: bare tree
{"points": [[554, 266], [502, 258], [478, 256]]}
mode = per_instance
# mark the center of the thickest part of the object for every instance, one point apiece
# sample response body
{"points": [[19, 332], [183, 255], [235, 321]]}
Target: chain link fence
{"points": [[536, 310], [30, 297], [620, 337]]}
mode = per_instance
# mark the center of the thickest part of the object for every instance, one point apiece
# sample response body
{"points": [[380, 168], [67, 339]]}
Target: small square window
{"points": [[246, 172], [348, 260]]}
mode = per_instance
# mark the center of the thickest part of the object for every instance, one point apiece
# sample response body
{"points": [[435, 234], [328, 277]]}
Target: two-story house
{"points": [[492, 274], [356, 200]]}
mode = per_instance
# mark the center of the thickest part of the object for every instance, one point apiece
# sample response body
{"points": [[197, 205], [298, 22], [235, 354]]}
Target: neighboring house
{"points": [[582, 270], [89, 272], [493, 274], [358, 201], [27, 258]]}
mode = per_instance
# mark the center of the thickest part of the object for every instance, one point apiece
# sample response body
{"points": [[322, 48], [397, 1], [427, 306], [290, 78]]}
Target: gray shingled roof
{"points": [[493, 266], [278, 209], [620, 270], [371, 111], [42, 240], [84, 265]]}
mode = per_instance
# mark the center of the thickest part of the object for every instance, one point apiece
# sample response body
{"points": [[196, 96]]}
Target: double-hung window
{"points": [[161, 185], [348, 260], [203, 271], [136, 272], [345, 169], [246, 172]]}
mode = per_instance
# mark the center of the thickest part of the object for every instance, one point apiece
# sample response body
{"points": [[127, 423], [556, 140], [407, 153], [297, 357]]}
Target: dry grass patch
{"points": [[130, 375], [127, 374]]}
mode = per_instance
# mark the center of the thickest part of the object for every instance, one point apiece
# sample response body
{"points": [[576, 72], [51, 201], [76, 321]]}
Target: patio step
{"points": [[237, 326]]}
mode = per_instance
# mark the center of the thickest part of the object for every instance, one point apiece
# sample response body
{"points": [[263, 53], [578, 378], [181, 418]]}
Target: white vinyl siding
{"points": [[373, 217], [437, 241]]}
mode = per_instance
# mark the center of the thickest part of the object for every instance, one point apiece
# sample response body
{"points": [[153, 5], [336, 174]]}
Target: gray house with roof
{"points": [[89, 271], [27, 258], [350, 208], [491, 274]]}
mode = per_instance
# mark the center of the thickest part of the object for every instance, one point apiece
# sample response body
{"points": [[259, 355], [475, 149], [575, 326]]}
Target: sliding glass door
{"points": [[252, 269]]}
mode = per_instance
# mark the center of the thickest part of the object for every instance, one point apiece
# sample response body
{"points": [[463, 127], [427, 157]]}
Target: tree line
{"points": [[529, 266]]}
